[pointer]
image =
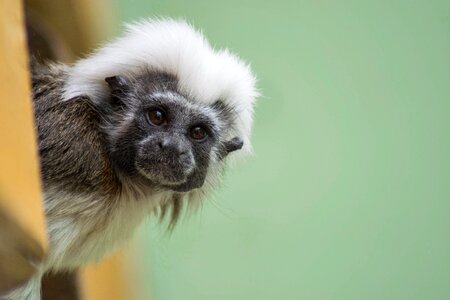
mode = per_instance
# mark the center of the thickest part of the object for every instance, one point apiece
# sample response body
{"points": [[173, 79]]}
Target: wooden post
{"points": [[23, 241]]}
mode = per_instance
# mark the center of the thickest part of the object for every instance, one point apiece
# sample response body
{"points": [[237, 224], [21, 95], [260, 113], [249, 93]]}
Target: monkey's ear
{"points": [[232, 145], [119, 86], [118, 83]]}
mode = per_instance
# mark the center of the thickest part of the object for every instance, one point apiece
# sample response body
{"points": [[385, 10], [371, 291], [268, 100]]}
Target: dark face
{"points": [[161, 137]]}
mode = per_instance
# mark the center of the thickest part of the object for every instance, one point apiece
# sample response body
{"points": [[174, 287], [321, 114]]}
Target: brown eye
{"points": [[157, 117], [198, 133]]}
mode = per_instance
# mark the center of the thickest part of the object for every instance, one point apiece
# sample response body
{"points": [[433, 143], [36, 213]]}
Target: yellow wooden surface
{"points": [[22, 230], [79, 24], [110, 280]]}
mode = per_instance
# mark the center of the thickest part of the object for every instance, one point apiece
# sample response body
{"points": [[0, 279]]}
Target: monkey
{"points": [[145, 125]]}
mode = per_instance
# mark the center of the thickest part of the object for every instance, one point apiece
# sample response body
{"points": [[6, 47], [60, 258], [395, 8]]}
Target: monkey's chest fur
{"points": [[88, 210], [78, 236]]}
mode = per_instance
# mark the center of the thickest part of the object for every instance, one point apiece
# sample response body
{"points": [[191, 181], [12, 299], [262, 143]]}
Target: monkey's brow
{"points": [[177, 98], [168, 95]]}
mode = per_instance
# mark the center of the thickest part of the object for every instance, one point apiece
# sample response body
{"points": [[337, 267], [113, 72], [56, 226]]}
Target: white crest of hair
{"points": [[175, 47]]}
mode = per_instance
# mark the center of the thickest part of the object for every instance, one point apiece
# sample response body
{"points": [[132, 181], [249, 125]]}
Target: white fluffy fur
{"points": [[175, 47]]}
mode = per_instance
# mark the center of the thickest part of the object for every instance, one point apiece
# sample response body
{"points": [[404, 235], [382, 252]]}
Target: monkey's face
{"points": [[163, 137], [176, 144]]}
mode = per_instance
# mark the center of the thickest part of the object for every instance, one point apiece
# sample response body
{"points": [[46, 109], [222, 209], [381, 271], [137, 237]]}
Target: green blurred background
{"points": [[348, 193]]}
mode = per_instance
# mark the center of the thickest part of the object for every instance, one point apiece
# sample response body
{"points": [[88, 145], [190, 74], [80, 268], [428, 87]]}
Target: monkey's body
{"points": [[155, 135], [85, 202], [85, 166]]}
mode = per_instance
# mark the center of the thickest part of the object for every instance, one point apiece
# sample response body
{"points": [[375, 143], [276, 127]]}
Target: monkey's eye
{"points": [[198, 133], [157, 117]]}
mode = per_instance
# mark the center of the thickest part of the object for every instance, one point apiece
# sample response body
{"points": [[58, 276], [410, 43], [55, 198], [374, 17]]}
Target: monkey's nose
{"points": [[172, 146]]}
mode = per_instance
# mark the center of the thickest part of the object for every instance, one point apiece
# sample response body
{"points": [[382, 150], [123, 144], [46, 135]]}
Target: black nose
{"points": [[172, 146]]}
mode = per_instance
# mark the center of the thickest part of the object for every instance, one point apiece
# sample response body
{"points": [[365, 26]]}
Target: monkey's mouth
{"points": [[165, 173], [173, 181]]}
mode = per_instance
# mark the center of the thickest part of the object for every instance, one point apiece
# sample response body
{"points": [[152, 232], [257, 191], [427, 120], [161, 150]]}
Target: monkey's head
{"points": [[164, 137], [176, 109]]}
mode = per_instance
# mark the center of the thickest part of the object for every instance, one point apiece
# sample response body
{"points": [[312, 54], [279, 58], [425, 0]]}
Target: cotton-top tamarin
{"points": [[145, 124]]}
